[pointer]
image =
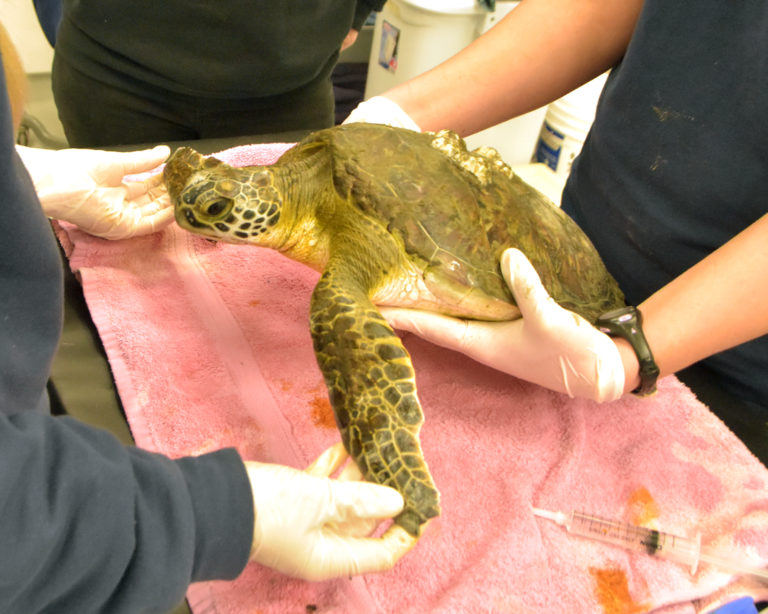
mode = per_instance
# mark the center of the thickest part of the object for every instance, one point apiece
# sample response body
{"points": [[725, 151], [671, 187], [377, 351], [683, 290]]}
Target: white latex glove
{"points": [[87, 187], [549, 345], [313, 527], [381, 110]]}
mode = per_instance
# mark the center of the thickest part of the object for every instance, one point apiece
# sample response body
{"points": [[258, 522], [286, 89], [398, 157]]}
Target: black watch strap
{"points": [[627, 323]]}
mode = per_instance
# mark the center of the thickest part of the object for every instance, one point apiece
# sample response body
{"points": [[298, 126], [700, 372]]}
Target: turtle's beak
{"points": [[179, 168]]}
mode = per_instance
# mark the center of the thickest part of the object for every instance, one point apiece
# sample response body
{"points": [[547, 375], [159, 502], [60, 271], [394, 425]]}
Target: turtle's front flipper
{"points": [[372, 390]]}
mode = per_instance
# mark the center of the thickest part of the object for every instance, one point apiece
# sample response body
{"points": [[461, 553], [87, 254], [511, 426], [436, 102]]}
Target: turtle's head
{"points": [[236, 205]]}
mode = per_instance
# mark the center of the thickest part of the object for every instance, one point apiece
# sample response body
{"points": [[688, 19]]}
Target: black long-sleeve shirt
{"points": [[87, 524], [234, 49]]}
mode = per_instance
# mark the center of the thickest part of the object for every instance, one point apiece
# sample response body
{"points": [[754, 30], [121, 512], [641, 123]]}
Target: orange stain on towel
{"points": [[322, 413], [642, 507], [612, 592]]}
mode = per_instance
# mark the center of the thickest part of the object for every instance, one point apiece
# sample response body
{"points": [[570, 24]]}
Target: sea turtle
{"points": [[390, 217]]}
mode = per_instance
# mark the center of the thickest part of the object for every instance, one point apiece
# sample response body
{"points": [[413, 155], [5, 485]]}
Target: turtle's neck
{"points": [[305, 182]]}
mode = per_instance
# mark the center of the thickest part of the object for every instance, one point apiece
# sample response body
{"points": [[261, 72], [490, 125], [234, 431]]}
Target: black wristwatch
{"points": [[627, 323]]}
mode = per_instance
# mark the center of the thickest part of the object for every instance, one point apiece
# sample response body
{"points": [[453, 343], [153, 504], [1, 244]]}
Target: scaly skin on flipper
{"points": [[390, 217], [372, 388]]}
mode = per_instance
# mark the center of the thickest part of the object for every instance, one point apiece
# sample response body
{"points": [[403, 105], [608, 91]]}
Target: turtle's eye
{"points": [[217, 207]]}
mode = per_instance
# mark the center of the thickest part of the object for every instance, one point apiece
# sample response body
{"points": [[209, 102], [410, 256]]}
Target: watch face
{"points": [[623, 314], [626, 322]]}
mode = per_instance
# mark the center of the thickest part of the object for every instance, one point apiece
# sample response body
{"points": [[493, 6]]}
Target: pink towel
{"points": [[210, 347]]}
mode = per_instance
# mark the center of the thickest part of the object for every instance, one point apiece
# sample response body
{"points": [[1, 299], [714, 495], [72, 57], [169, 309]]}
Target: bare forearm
{"points": [[540, 51], [717, 304]]}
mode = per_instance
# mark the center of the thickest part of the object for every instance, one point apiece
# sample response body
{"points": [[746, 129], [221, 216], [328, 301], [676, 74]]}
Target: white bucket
{"points": [[566, 125], [412, 36]]}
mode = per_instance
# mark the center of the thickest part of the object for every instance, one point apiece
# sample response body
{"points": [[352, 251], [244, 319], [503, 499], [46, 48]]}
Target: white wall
{"points": [[18, 17]]}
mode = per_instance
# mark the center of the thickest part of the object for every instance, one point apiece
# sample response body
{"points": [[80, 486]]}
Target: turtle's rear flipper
{"points": [[372, 390]]}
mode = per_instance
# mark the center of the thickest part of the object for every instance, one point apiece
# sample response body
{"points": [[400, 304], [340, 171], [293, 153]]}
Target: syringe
{"points": [[655, 543]]}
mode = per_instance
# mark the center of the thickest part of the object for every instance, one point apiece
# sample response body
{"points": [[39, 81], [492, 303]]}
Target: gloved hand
{"points": [[381, 110], [312, 527], [549, 345], [87, 187]]}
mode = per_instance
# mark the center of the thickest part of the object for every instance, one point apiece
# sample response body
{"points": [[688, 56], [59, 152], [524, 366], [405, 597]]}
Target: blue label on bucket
{"points": [[549, 146]]}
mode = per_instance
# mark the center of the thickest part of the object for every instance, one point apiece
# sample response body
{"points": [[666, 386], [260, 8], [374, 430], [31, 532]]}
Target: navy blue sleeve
{"points": [[89, 525], [49, 15]]}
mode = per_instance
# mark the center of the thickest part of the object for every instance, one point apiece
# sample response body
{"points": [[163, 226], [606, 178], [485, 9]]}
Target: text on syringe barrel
{"points": [[650, 541]]}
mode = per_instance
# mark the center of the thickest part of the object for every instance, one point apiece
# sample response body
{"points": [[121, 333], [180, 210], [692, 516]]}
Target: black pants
{"points": [[95, 114], [745, 420]]}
